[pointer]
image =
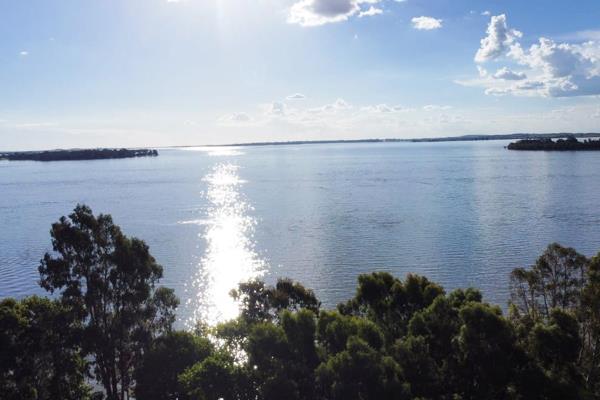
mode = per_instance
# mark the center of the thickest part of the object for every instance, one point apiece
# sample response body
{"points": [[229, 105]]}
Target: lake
{"points": [[461, 213]]}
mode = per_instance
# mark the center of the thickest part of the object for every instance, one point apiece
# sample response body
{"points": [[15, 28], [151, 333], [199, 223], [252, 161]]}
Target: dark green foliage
{"points": [[262, 303], [282, 357], [39, 357], [360, 372], [428, 353], [157, 375], [486, 352], [216, 377], [555, 281], [389, 302], [108, 282], [334, 330], [589, 317], [555, 312], [556, 344]]}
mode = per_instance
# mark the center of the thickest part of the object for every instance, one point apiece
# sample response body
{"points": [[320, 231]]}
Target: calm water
{"points": [[461, 213]]}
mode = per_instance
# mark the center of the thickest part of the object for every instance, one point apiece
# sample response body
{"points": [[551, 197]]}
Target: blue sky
{"points": [[167, 72]]}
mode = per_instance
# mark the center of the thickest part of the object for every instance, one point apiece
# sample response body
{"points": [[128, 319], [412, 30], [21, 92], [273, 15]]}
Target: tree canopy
{"points": [[107, 281]]}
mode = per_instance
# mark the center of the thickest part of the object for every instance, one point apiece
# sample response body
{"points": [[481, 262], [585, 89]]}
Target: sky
{"points": [[159, 73]]}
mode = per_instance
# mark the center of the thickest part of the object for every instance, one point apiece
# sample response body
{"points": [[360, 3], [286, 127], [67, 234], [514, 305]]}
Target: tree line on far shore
{"points": [[107, 333]]}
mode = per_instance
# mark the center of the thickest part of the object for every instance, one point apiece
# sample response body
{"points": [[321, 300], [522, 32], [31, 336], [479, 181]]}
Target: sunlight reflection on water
{"points": [[217, 151], [230, 257]]}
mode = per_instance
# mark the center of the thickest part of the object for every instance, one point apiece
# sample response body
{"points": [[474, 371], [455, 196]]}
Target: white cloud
{"points": [[551, 69], [338, 119], [319, 12], [33, 125], [426, 23], [370, 12], [435, 107], [339, 104], [235, 119], [296, 96], [482, 71], [277, 109], [24, 53], [498, 39], [486, 13], [564, 69], [509, 75], [383, 108], [342, 118], [239, 117]]}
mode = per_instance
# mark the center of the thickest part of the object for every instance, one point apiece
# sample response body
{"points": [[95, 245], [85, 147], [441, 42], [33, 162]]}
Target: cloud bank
{"points": [[546, 68]]}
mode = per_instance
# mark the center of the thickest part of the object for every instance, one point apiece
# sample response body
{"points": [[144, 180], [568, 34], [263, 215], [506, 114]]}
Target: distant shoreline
{"points": [[464, 138]]}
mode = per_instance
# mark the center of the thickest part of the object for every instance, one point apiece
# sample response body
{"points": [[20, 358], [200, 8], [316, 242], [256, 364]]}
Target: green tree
{"points": [[169, 356], [555, 309], [428, 354], [360, 372], [262, 303], [589, 317], [334, 330], [282, 356], [390, 302], [555, 281], [216, 377], [108, 281], [487, 349], [40, 356]]}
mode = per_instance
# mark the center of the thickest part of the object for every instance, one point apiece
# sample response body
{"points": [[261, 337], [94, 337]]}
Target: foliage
{"points": [[589, 317], [216, 377], [555, 281], [389, 302], [396, 339], [108, 282], [170, 355], [40, 356], [261, 303]]}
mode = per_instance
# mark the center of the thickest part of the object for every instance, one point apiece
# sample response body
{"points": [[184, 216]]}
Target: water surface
{"points": [[462, 213]]}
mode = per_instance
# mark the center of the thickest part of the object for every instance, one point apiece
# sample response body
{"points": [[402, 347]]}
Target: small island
{"points": [[77, 154], [569, 144]]}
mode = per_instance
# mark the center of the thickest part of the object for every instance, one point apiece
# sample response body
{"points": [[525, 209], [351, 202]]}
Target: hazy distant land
{"points": [[116, 153], [463, 138]]}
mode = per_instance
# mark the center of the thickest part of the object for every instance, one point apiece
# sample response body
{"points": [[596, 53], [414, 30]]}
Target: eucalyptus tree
{"points": [[556, 280], [108, 281]]}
